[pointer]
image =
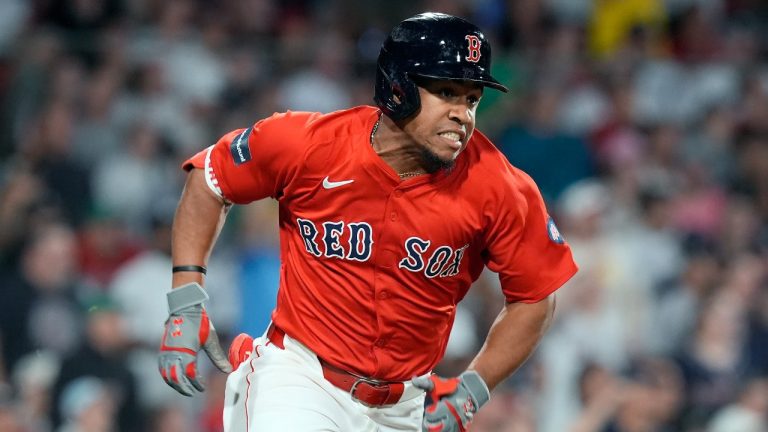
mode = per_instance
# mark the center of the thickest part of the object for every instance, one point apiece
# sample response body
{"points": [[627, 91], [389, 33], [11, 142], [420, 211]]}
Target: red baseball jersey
{"points": [[373, 266]]}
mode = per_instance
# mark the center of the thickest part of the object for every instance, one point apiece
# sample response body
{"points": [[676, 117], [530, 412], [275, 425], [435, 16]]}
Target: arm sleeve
{"points": [[249, 164], [523, 244]]}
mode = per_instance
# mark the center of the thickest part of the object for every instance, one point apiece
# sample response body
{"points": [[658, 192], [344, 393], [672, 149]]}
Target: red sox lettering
{"points": [[444, 261], [359, 242]]}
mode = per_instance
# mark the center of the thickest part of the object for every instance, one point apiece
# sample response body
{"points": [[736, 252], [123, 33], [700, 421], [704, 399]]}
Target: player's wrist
{"points": [[476, 386], [185, 297], [180, 279], [189, 268]]}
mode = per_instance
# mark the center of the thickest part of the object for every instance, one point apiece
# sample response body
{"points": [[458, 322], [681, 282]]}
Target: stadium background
{"points": [[645, 123]]}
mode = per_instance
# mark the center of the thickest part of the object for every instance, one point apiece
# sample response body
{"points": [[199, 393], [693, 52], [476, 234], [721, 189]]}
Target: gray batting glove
{"points": [[187, 330], [454, 401]]}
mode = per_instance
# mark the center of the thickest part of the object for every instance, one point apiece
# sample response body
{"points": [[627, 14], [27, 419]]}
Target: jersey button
{"points": [[398, 193], [381, 342], [393, 216], [384, 295]]}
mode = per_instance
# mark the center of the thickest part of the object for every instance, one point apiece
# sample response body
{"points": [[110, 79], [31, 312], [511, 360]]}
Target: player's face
{"points": [[446, 119]]}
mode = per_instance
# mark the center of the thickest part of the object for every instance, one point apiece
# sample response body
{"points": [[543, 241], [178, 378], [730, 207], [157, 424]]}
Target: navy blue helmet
{"points": [[430, 45]]}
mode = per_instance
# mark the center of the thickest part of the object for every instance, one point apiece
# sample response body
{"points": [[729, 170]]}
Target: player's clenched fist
{"points": [[454, 401], [187, 330]]}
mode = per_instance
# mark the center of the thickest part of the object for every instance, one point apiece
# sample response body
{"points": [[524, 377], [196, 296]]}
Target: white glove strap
{"points": [[185, 296]]}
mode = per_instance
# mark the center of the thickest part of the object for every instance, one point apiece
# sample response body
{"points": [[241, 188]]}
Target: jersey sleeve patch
{"points": [[239, 148], [553, 232]]}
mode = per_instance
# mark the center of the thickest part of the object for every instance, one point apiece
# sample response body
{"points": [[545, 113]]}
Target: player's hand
{"points": [[187, 331], [453, 401]]}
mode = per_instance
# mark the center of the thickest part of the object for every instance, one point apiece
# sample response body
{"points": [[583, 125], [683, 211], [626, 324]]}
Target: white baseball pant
{"points": [[283, 390]]}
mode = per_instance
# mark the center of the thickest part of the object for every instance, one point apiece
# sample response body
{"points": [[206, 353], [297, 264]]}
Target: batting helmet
{"points": [[431, 45]]}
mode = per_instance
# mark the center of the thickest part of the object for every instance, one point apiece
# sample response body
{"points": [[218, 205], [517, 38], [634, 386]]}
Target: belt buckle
{"points": [[372, 382]]}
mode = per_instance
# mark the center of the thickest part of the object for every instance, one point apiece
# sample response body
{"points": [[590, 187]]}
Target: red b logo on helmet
{"points": [[474, 48]]}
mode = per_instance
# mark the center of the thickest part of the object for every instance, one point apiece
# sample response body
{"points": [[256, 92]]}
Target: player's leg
{"points": [[348, 413], [283, 398], [403, 416], [235, 416], [279, 390]]}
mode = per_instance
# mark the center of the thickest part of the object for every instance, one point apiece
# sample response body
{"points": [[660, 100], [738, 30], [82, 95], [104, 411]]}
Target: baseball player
{"points": [[388, 213]]}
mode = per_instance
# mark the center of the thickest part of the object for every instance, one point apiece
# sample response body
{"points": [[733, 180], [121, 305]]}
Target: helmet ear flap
{"points": [[408, 93], [403, 99], [396, 95]]}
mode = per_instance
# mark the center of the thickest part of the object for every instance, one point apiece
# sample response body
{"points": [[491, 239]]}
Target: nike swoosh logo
{"points": [[330, 185]]}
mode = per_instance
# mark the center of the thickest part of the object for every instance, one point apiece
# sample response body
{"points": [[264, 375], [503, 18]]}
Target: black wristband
{"points": [[189, 268]]}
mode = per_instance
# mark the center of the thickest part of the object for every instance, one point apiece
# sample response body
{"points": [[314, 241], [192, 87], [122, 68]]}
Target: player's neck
{"points": [[397, 148]]}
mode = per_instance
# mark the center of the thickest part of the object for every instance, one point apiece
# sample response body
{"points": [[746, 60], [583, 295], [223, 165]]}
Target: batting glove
{"points": [[188, 330], [454, 401], [240, 349]]}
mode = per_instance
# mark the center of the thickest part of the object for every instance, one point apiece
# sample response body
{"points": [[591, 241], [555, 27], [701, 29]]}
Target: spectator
{"points": [[530, 146], [87, 405], [322, 86], [104, 246], [678, 303], [20, 209], [129, 182], [96, 136], [601, 394], [747, 414], [713, 362], [40, 308], [33, 379], [102, 356], [48, 152], [9, 419], [169, 418], [614, 23]]}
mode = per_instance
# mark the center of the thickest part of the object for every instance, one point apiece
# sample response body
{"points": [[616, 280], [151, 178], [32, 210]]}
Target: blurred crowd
{"points": [[644, 122]]}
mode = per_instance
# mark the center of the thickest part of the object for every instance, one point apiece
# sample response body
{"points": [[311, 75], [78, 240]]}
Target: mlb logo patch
{"points": [[553, 232]]}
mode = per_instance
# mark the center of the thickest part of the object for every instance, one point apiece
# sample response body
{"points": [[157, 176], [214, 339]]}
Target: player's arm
{"points": [[198, 221], [512, 338], [196, 226], [533, 260], [244, 165], [525, 248]]}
